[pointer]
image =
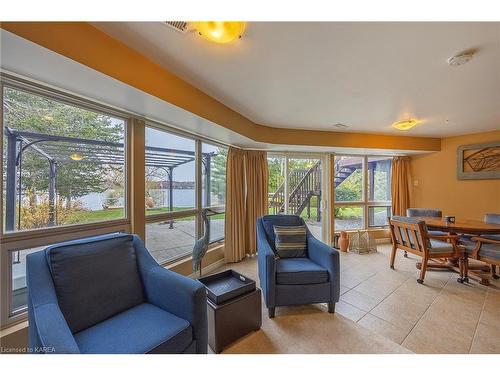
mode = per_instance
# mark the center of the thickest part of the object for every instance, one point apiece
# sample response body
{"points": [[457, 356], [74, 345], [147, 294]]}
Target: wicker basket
{"points": [[362, 242]]}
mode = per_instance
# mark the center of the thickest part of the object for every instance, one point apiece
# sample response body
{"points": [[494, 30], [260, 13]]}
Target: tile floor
{"points": [[440, 316]]}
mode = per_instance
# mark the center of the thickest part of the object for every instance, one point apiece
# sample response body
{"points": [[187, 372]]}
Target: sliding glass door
{"points": [[296, 187], [305, 191]]}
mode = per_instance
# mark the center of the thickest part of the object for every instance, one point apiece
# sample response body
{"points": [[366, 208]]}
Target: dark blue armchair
{"points": [[296, 281], [107, 294]]}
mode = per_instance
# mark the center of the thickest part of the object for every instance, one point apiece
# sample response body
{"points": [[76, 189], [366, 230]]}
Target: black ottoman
{"points": [[234, 308]]}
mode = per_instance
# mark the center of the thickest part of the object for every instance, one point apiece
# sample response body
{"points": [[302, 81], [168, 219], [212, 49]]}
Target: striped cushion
{"points": [[290, 241]]}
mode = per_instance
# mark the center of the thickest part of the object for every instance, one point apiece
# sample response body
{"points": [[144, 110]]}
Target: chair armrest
{"points": [[327, 257], [452, 237], [181, 296], [267, 266], [53, 331], [474, 254], [486, 240]]}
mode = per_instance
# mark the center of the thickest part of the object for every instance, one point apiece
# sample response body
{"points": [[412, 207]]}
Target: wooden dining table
{"points": [[461, 226], [477, 272]]}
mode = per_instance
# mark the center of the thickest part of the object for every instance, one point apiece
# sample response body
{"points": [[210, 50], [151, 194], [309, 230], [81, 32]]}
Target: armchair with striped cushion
{"points": [[297, 280]]}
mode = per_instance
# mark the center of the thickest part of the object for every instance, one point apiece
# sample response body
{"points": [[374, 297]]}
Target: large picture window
{"points": [[362, 191], [63, 168], [175, 201], [62, 164]]}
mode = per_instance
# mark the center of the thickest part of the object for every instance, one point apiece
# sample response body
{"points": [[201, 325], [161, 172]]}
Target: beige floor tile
{"points": [[384, 328], [356, 275], [401, 310], [487, 339], [344, 289], [360, 300], [381, 284], [429, 337], [349, 311], [491, 309], [449, 324]]}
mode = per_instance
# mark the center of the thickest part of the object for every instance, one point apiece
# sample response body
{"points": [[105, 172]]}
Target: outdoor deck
{"points": [[167, 244]]}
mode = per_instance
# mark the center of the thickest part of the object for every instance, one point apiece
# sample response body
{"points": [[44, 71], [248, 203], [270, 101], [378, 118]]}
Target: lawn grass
{"points": [[347, 212], [84, 216]]}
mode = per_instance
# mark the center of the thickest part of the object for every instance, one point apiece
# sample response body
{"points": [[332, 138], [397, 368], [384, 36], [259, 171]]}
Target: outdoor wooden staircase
{"points": [[305, 184]]}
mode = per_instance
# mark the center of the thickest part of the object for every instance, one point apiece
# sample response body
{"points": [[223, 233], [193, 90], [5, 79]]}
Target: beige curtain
{"points": [[246, 199], [256, 200], [235, 220], [400, 185]]}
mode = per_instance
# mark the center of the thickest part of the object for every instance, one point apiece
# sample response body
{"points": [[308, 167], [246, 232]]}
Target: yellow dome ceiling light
{"points": [[220, 31], [406, 124]]}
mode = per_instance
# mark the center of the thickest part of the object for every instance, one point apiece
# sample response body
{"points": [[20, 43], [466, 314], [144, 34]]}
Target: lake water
{"points": [[182, 198]]}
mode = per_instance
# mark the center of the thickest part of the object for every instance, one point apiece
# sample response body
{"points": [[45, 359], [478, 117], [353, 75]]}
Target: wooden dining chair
{"points": [[485, 248], [425, 212], [411, 235]]}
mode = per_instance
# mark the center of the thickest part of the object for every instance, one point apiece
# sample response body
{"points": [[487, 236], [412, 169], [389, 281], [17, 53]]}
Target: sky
{"points": [[158, 138]]}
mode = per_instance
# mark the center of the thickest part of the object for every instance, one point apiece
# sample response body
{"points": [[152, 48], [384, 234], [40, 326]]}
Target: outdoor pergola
{"points": [[60, 150]]}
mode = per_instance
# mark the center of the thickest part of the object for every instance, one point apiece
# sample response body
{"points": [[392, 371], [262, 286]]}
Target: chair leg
{"points": [[331, 307], [393, 255], [423, 268], [494, 271], [464, 268], [461, 267], [270, 312]]}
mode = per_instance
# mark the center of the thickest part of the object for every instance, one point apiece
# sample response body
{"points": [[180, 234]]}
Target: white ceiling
{"points": [[20, 57], [313, 75]]}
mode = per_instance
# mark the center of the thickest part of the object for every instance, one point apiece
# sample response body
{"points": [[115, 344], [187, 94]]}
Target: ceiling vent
{"points": [[179, 26]]}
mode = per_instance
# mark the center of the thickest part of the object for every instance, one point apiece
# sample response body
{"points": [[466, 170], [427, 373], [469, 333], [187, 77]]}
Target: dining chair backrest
{"points": [[492, 218], [409, 234], [423, 212]]}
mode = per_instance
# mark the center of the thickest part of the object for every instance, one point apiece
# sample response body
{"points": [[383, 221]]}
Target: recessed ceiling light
{"points": [[340, 126], [461, 58], [406, 124]]}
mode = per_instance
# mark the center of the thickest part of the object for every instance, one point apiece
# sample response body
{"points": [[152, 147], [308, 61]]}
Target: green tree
{"points": [[27, 112], [351, 189], [276, 172], [218, 174]]}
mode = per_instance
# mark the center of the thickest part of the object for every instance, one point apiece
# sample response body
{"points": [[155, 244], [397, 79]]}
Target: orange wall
{"points": [[438, 186], [87, 45]]}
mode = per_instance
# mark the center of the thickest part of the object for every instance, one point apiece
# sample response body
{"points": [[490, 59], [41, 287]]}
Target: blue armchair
{"points": [[296, 281], [107, 294]]}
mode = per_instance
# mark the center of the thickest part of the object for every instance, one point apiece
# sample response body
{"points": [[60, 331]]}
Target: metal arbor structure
{"points": [[60, 150]]}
